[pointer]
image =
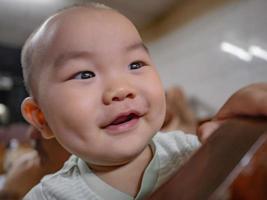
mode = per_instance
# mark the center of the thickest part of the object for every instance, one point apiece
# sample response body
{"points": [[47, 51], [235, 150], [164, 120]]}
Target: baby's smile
{"points": [[123, 122]]}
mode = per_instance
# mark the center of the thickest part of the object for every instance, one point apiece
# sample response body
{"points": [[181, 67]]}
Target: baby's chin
{"points": [[119, 159], [105, 166]]}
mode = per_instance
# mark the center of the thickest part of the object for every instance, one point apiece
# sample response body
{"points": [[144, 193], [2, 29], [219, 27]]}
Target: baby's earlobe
{"points": [[32, 113]]}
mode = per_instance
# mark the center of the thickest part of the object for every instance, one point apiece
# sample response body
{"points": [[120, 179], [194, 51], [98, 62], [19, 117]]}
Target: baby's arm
{"points": [[249, 101]]}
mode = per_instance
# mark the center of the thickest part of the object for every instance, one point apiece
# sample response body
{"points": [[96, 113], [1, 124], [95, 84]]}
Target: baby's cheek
{"points": [[158, 109]]}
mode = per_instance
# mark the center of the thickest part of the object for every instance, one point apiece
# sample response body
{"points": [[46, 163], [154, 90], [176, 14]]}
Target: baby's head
{"points": [[92, 85]]}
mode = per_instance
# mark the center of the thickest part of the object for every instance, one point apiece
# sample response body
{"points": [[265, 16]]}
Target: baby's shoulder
{"points": [[64, 184], [174, 147], [172, 150], [176, 141]]}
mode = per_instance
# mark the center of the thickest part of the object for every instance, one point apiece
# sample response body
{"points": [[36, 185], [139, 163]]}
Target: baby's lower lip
{"points": [[123, 127]]}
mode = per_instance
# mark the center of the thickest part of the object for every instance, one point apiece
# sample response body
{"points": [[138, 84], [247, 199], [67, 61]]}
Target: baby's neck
{"points": [[127, 178]]}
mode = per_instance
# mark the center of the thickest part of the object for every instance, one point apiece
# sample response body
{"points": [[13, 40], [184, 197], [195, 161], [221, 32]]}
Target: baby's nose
{"points": [[119, 94]]}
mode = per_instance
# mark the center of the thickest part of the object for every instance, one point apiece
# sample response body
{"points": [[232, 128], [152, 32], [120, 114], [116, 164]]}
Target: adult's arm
{"points": [[250, 101]]}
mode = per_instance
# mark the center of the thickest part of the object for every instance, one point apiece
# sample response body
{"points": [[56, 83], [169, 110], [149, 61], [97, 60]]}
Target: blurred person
{"points": [[178, 112], [14, 151], [27, 170], [249, 101], [13, 143]]}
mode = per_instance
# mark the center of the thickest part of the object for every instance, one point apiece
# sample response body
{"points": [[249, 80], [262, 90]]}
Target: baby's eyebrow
{"points": [[137, 45], [66, 56], [69, 55]]}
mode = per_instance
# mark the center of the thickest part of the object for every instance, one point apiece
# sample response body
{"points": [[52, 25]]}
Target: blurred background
{"points": [[206, 49]]}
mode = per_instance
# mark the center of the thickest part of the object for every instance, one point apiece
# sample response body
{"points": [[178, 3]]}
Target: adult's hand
{"points": [[250, 101]]}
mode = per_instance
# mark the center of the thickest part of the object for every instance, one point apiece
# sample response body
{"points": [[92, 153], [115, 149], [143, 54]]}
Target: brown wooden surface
{"points": [[210, 166], [249, 178]]}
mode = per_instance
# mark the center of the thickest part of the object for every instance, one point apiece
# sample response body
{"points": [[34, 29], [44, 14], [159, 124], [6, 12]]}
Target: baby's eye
{"points": [[84, 75], [136, 65]]}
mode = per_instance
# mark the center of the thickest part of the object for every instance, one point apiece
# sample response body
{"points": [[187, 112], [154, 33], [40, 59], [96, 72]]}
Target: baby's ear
{"points": [[33, 114]]}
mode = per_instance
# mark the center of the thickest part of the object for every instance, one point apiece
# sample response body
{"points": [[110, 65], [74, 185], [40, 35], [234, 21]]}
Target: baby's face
{"points": [[99, 90]]}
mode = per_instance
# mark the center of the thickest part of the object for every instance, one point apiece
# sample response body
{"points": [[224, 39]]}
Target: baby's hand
{"points": [[248, 101]]}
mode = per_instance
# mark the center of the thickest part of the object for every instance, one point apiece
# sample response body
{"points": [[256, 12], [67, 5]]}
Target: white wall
{"points": [[190, 55]]}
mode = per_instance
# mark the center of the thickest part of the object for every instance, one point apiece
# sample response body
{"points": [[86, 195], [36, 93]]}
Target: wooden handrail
{"points": [[212, 170], [248, 180]]}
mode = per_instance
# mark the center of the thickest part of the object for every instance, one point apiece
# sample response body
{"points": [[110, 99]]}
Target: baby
{"points": [[94, 87]]}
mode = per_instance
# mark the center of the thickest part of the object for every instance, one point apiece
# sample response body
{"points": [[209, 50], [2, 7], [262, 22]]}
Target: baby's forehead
{"points": [[75, 21], [65, 23], [75, 16], [78, 28], [84, 27], [85, 16]]}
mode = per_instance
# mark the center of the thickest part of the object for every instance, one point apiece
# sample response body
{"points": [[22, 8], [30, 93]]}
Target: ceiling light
{"points": [[236, 51], [2, 109], [6, 83], [4, 114], [258, 52]]}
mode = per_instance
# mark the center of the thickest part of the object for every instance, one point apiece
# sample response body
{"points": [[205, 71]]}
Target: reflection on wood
{"points": [[249, 179], [218, 170]]}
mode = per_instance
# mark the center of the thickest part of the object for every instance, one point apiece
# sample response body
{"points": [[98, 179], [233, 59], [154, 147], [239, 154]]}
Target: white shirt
{"points": [[76, 181]]}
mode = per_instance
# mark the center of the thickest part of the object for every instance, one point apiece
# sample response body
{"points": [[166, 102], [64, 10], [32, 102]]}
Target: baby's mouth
{"points": [[124, 119]]}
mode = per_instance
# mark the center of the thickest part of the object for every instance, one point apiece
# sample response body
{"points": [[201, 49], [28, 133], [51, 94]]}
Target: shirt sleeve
{"points": [[35, 193], [177, 143], [173, 149]]}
